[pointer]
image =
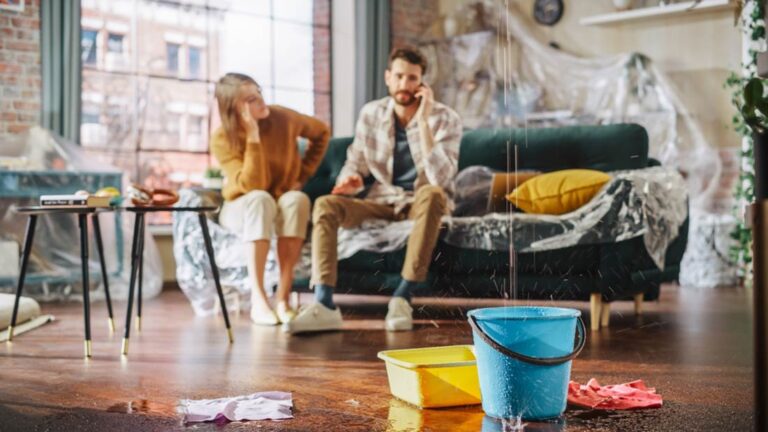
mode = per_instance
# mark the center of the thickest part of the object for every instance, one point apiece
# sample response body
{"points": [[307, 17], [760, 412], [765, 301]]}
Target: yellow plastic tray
{"points": [[433, 377]]}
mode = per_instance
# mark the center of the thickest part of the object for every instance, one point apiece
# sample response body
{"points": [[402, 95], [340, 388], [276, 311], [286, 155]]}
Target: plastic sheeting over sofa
{"points": [[650, 202]]}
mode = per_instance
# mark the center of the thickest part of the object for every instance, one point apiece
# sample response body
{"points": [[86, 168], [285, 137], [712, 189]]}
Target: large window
{"points": [[150, 67]]}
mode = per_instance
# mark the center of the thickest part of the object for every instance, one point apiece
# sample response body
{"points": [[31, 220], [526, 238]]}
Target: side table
{"points": [[82, 215], [137, 264]]}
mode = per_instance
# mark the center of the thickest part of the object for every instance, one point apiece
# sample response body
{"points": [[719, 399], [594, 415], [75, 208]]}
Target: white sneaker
{"points": [[313, 318], [284, 312], [399, 316], [265, 317]]}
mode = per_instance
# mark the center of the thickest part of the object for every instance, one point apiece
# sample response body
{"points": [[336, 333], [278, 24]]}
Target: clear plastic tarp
{"points": [[707, 262], [649, 202], [497, 73], [39, 163], [193, 270]]}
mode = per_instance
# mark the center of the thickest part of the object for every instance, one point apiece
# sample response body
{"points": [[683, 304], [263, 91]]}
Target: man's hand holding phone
{"points": [[426, 101], [348, 185]]}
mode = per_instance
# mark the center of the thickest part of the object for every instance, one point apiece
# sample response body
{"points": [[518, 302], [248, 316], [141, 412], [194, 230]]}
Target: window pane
{"points": [[88, 46], [166, 31], [294, 10], [194, 62], [115, 43], [246, 47], [174, 110], [110, 98], [172, 57], [251, 7], [106, 29], [295, 70], [301, 101]]}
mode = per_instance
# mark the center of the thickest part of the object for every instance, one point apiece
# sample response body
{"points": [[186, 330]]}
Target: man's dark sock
{"points": [[324, 295], [405, 289]]}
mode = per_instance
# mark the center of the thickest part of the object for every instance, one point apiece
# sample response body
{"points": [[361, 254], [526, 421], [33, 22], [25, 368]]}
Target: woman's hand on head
{"points": [[250, 124]]}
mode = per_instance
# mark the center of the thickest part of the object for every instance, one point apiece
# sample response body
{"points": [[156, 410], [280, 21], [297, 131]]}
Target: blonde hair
{"points": [[227, 91]]}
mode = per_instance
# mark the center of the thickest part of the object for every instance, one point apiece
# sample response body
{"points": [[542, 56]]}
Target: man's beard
{"points": [[409, 100]]}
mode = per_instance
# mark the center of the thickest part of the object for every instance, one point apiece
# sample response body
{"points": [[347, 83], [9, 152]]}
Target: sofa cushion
{"points": [[558, 192]]}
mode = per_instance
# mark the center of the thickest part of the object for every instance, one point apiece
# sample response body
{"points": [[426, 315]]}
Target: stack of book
{"points": [[70, 201]]}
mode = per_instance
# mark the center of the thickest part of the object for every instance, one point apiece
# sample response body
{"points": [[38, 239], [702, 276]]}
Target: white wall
{"points": [[343, 67]]}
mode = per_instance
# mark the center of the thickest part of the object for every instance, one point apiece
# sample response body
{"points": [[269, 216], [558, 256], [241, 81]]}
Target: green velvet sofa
{"points": [[601, 273]]}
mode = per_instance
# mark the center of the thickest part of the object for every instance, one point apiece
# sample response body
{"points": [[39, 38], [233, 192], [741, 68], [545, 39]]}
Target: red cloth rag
{"points": [[631, 395]]}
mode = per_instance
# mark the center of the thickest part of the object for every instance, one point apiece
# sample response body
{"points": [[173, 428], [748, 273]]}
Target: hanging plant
{"points": [[747, 97]]}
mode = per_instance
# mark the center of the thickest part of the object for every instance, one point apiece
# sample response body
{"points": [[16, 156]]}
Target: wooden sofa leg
{"points": [[595, 304], [639, 304], [605, 314]]}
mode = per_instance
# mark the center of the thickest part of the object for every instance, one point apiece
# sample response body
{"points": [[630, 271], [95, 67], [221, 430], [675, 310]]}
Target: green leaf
{"points": [[762, 106], [753, 92]]}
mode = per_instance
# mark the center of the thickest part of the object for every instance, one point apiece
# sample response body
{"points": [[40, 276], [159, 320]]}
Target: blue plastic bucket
{"points": [[524, 359]]}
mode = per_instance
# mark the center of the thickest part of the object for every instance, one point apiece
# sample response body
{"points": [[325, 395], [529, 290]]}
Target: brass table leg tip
{"points": [[88, 349], [10, 333], [125, 347], [231, 337], [138, 324], [111, 325]]}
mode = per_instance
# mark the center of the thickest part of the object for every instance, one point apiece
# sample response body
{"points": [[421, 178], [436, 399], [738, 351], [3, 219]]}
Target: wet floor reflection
{"points": [[491, 424], [404, 417], [141, 406]]}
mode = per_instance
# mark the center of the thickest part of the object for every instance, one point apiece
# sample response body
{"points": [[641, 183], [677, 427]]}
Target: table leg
{"points": [[31, 223], [83, 222], [100, 248], [134, 262], [141, 276], [215, 271]]}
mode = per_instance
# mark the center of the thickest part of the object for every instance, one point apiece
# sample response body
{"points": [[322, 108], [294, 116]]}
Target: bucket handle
{"points": [[552, 361]]}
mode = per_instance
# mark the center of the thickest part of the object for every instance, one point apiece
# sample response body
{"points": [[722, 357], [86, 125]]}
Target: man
{"points": [[409, 144]]}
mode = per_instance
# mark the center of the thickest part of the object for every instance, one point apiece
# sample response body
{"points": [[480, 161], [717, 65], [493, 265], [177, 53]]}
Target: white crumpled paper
{"points": [[271, 405]]}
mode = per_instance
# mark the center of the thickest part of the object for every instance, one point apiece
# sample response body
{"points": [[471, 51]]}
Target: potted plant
{"points": [[212, 179]]}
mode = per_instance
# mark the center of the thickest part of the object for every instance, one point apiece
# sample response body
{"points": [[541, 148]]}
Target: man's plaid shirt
{"points": [[371, 152]]}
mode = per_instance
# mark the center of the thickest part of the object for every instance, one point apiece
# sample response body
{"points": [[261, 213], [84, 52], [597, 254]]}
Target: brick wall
{"points": [[410, 19], [20, 79], [322, 59]]}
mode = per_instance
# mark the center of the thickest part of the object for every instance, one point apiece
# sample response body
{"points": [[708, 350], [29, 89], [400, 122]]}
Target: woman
{"points": [[257, 149]]}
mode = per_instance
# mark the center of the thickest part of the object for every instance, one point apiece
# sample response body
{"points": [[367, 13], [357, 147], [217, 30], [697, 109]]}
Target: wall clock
{"points": [[548, 12]]}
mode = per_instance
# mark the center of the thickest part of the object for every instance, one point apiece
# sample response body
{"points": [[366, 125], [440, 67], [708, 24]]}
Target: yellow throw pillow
{"points": [[504, 183], [558, 192]]}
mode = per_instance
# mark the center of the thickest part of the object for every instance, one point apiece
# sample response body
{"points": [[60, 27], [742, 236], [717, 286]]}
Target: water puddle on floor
{"points": [[625, 420], [141, 406]]}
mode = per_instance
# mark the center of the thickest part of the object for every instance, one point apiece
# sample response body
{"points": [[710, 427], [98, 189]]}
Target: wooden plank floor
{"points": [[694, 346]]}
